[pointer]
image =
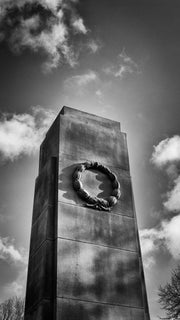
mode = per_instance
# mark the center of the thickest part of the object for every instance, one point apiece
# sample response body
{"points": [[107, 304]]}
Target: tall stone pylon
{"points": [[85, 261]]}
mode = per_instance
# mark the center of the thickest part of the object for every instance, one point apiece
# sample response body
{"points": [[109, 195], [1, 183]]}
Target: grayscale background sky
{"points": [[119, 59]]}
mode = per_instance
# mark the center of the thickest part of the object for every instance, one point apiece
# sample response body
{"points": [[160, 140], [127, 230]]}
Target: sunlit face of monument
{"points": [[85, 261]]}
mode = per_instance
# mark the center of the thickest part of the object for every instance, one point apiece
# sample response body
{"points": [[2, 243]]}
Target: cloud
{"points": [[124, 66], [9, 253], [172, 236], [13, 269], [99, 93], [81, 84], [82, 80], [147, 240], [14, 289], [123, 70], [79, 26], [13, 279], [42, 25], [173, 197], [100, 97], [94, 46], [168, 150], [21, 134], [166, 236], [166, 155], [150, 240]]}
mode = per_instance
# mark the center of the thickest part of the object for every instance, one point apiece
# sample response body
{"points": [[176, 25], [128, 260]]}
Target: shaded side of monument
{"points": [[84, 264]]}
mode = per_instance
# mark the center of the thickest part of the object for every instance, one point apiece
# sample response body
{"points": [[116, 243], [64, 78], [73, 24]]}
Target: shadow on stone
{"points": [[96, 183]]}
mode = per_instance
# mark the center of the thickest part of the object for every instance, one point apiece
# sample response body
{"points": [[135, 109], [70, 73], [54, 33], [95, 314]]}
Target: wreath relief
{"points": [[95, 202]]}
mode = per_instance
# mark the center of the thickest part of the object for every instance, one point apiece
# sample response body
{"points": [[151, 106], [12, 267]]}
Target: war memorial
{"points": [[85, 260]]}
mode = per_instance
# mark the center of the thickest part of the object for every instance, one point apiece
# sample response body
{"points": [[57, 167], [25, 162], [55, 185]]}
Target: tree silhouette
{"points": [[12, 309], [169, 296]]}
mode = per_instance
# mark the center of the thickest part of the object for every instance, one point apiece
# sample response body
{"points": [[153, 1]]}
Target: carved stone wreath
{"points": [[95, 202]]}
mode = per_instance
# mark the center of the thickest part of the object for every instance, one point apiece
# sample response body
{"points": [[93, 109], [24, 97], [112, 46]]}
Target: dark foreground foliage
{"points": [[169, 296], [12, 309]]}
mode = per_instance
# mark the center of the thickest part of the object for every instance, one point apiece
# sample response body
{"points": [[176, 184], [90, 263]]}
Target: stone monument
{"points": [[85, 261]]}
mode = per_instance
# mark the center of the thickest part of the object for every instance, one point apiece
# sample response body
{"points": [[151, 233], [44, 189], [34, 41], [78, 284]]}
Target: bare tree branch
{"points": [[169, 296], [12, 309]]}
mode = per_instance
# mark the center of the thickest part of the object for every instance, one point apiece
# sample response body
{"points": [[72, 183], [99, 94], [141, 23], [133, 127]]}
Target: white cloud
{"points": [[49, 28], [167, 155], [21, 134], [172, 235], [82, 80], [123, 70], [79, 26], [166, 236], [94, 46], [51, 4], [168, 150], [147, 248], [173, 197], [13, 269], [147, 240], [99, 93], [126, 59], [9, 253], [151, 240], [124, 66]]}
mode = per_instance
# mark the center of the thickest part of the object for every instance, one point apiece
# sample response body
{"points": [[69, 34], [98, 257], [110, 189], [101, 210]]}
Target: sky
{"points": [[118, 59]]}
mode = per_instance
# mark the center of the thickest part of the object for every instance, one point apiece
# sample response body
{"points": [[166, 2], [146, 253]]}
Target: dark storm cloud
{"points": [[42, 25]]}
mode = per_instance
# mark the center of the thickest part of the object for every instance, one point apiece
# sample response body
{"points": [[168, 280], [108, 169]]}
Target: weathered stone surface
{"points": [[42, 311], [50, 146], [84, 263], [40, 274], [93, 141], [45, 189], [98, 227], [68, 309], [145, 301], [88, 117], [43, 228], [66, 193], [98, 273]]}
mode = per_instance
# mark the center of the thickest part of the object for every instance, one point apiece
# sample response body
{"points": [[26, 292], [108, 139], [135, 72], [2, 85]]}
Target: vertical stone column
{"points": [[40, 301], [84, 264]]}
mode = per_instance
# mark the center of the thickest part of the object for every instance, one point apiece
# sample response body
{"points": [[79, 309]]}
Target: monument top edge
{"points": [[82, 114]]}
